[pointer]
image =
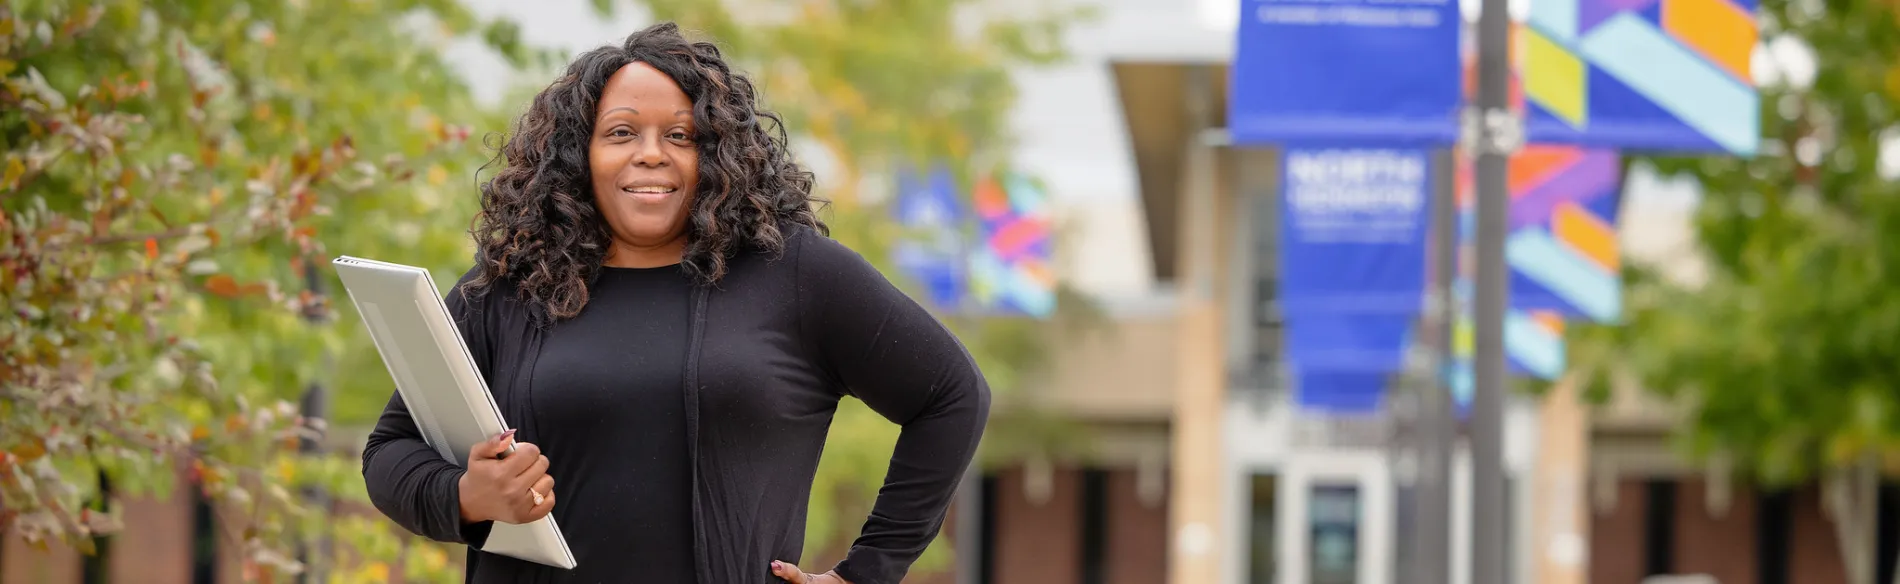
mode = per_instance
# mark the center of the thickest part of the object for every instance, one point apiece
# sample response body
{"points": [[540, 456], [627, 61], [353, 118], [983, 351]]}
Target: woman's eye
{"points": [[620, 132], [678, 136]]}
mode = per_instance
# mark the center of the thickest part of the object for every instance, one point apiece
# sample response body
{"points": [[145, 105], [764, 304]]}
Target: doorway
{"points": [[1335, 517]]}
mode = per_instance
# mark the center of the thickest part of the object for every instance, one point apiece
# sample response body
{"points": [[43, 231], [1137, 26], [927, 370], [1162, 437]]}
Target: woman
{"points": [[660, 314]]}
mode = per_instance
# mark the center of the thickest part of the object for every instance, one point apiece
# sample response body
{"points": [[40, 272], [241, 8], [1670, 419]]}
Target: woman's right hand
{"points": [[504, 489]]}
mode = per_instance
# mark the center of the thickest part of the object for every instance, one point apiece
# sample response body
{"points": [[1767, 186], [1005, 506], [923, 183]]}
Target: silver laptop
{"points": [[439, 382]]}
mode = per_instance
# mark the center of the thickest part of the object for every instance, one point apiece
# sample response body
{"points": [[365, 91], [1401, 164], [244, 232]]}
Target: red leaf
{"points": [[151, 248], [222, 285]]}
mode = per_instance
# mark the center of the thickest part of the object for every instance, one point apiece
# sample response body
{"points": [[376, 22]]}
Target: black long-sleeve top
{"points": [[767, 353]]}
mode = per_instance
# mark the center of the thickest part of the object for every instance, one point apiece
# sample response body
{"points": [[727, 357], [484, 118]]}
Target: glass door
{"points": [[1335, 519]]}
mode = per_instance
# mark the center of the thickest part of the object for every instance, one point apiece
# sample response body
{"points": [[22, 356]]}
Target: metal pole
{"points": [[315, 408], [1496, 139], [969, 526], [1436, 423]]}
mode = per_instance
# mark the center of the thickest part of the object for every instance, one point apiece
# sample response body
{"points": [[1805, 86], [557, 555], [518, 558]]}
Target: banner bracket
{"points": [[1491, 131]]}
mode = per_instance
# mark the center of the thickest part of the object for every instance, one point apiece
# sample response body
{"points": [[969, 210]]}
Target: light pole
{"points": [[1497, 136]]}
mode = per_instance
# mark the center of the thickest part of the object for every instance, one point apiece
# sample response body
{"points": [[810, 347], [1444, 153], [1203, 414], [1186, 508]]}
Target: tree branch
{"points": [[172, 233], [33, 175]]}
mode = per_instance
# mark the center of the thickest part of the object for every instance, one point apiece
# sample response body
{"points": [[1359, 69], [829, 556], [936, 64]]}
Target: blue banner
{"points": [[1366, 342], [1341, 392], [1353, 231], [1352, 269], [1346, 73]]}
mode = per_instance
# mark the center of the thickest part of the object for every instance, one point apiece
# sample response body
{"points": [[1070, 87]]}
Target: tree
{"points": [[170, 170], [1785, 359]]}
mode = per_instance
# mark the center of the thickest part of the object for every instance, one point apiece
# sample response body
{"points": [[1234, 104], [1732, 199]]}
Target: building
{"points": [[1197, 469]]}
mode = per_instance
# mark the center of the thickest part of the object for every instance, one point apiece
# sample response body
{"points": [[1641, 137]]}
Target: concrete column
{"points": [[1196, 504], [1560, 505]]}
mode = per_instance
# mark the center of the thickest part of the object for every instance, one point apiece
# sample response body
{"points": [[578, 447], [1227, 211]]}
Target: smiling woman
{"points": [[645, 165], [656, 307], [738, 185]]}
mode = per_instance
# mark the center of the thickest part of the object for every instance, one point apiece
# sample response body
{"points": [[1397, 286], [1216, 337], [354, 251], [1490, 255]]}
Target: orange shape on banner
{"points": [[1536, 163], [1590, 236], [989, 198], [1550, 320], [1720, 31]]}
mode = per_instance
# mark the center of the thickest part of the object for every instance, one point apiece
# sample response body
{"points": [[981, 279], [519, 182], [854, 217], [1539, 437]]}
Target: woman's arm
{"points": [[892, 354], [407, 479]]}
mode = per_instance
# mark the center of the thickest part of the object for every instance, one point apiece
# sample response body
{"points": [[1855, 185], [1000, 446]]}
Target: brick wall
{"points": [[1815, 556], [24, 564], [1616, 537], [1036, 542], [158, 551], [1725, 547], [154, 547], [1137, 533], [1722, 546]]}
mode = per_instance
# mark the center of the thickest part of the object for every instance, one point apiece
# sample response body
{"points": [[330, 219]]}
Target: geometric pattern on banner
{"points": [[1669, 75], [932, 250], [1562, 249], [1533, 347], [1011, 272], [1533, 342]]}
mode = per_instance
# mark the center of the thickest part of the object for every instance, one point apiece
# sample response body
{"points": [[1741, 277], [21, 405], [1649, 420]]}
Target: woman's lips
{"points": [[649, 194]]}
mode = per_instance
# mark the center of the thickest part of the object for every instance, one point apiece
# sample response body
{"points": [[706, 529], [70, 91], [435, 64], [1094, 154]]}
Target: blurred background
{"points": [[183, 399]]}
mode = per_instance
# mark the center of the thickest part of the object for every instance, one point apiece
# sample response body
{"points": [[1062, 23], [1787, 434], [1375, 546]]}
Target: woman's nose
{"points": [[648, 152]]}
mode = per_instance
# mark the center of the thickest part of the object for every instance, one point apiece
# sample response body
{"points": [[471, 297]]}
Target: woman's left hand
{"points": [[790, 573]]}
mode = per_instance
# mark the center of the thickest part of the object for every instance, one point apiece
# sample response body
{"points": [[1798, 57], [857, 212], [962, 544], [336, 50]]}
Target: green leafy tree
{"points": [[171, 173], [1785, 360]]}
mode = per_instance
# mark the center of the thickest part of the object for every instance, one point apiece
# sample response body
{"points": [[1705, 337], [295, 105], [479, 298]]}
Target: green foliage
{"points": [[1786, 359], [170, 171]]}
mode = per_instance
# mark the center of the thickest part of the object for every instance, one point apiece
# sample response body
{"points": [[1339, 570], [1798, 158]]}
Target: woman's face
{"points": [[645, 165]]}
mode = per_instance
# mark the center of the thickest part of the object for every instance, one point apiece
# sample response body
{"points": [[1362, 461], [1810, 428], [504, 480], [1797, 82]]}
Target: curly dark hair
{"points": [[539, 228]]}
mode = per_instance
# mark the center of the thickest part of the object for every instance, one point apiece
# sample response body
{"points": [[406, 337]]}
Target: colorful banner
{"points": [[1562, 248], [1667, 75], [1346, 73], [1533, 347], [932, 251], [1352, 233], [1562, 252], [1352, 269], [1011, 270]]}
